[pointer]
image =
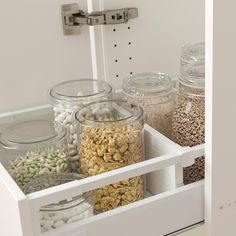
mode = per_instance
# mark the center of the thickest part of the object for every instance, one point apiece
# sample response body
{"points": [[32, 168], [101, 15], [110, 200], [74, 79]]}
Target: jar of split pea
{"points": [[110, 137]]}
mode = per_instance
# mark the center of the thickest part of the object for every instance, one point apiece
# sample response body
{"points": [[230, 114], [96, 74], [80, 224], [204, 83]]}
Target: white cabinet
{"points": [[35, 55]]}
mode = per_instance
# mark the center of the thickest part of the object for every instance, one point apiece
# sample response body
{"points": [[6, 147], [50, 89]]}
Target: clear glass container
{"points": [[64, 212], [68, 97], [188, 127], [155, 93], [111, 137], [192, 53], [34, 148]]}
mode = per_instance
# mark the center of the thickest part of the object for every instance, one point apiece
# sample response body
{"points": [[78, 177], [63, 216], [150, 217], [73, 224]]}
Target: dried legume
{"points": [[64, 116], [36, 163], [189, 130], [70, 213], [105, 149]]}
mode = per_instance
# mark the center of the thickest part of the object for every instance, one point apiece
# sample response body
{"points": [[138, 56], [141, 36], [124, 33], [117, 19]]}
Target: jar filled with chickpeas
{"points": [[68, 97], [110, 137]]}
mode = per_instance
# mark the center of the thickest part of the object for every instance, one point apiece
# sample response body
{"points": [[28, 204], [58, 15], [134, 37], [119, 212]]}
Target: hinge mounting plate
{"points": [[73, 18]]}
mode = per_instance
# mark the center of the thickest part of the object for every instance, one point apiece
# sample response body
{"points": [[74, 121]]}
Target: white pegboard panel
{"points": [[150, 42]]}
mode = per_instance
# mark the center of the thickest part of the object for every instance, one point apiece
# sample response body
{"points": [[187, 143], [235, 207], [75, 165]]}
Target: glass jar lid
{"points": [[147, 85], [32, 134], [54, 179], [109, 113], [192, 53], [80, 89], [193, 75]]}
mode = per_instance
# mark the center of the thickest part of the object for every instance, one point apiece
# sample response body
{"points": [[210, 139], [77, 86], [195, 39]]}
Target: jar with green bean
{"points": [[34, 148]]}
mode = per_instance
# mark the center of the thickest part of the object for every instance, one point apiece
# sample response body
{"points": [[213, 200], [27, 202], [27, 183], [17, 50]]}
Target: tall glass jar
{"points": [[34, 148], [155, 93], [68, 97], [188, 127], [110, 137], [192, 53]]}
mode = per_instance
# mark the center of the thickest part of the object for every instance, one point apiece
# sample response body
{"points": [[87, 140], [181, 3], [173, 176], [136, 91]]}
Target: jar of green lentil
{"points": [[34, 148]]}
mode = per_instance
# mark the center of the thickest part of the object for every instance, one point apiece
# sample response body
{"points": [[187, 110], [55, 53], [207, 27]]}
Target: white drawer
{"points": [[172, 209]]}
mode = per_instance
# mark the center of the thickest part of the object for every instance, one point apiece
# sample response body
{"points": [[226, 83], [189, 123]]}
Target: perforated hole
{"points": [[114, 30], [116, 60], [115, 45], [131, 73], [129, 27], [130, 58], [117, 76], [129, 43]]}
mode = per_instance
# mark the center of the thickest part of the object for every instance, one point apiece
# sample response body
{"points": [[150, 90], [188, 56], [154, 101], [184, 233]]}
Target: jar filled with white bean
{"points": [[68, 97], [110, 137], [66, 211], [34, 148]]}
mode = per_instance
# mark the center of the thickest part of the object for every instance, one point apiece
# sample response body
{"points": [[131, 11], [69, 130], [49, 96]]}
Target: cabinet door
{"points": [[220, 117], [34, 53]]}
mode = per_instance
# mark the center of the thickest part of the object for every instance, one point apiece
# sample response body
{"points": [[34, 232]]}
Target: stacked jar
{"points": [[64, 212], [35, 148], [68, 97], [155, 93], [110, 137], [188, 127], [192, 53]]}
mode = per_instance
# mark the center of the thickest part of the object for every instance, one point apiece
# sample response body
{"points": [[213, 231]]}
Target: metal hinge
{"points": [[73, 18]]}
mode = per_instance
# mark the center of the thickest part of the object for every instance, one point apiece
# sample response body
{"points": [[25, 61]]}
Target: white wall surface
{"points": [[34, 53]]}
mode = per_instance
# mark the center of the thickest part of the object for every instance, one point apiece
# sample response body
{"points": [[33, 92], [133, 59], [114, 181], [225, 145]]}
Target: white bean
{"points": [[59, 224]]}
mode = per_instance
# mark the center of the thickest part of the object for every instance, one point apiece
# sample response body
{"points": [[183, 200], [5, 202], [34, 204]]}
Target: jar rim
{"points": [[130, 118], [58, 91], [193, 75], [32, 134], [64, 178], [193, 52], [148, 85]]}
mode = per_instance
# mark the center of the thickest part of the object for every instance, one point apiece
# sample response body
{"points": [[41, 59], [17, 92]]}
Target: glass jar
{"points": [[67, 97], [188, 127], [64, 212], [111, 137], [34, 148], [192, 53], [155, 93]]}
